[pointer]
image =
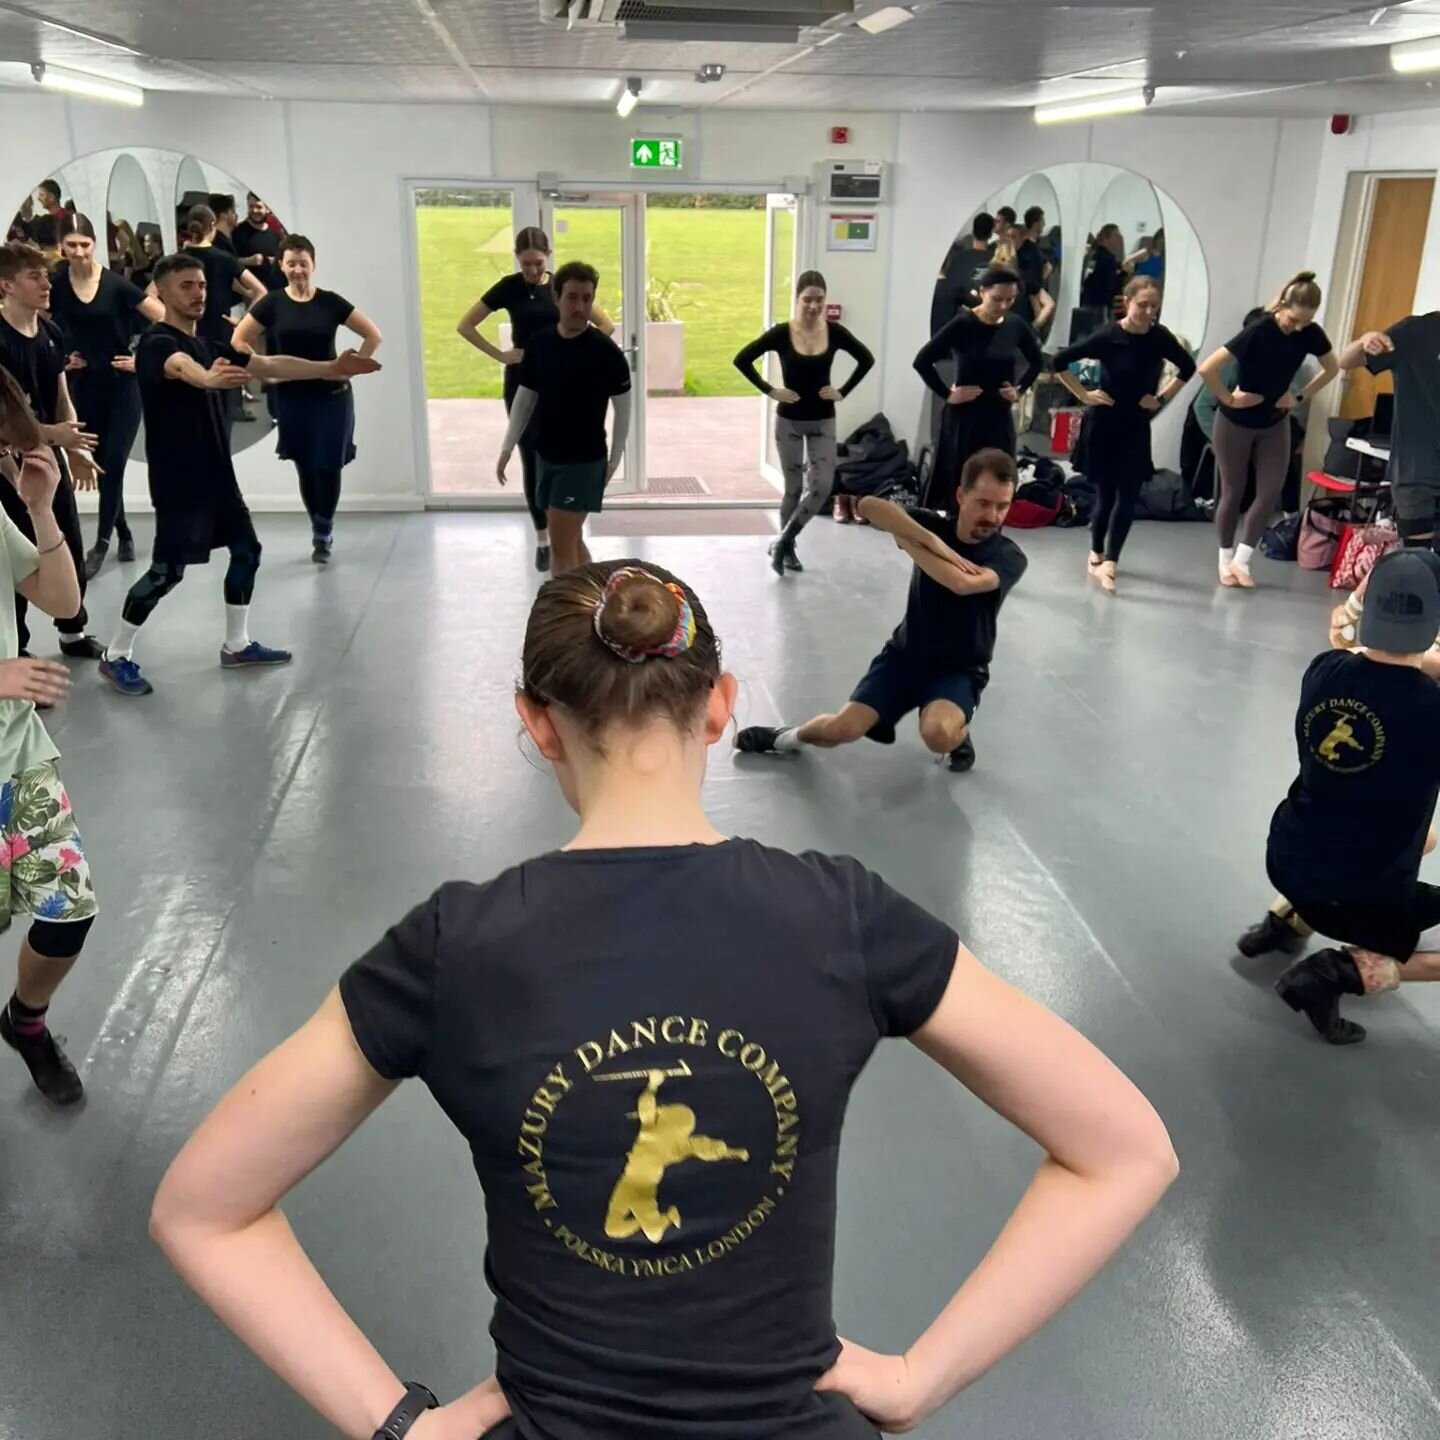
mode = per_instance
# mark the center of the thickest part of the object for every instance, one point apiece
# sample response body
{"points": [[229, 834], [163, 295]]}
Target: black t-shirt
{"points": [[574, 379], [1130, 365], [1415, 364], [806, 375], [1268, 360], [530, 308], [187, 439], [223, 242], [653, 1104], [1104, 281], [956, 633], [222, 270], [36, 362], [1355, 821], [304, 328], [105, 327], [955, 289], [985, 355], [1031, 265]]}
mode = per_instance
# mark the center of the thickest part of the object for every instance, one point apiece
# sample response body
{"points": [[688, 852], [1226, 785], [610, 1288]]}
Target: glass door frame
{"points": [[775, 203]]}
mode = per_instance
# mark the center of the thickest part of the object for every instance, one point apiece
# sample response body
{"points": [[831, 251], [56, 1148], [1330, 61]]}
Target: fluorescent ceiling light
{"points": [[1412, 55], [77, 82], [629, 97], [879, 21], [1123, 102]]}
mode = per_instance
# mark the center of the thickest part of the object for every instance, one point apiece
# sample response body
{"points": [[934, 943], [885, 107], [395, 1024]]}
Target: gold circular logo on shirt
{"points": [[675, 1098], [1345, 736]]}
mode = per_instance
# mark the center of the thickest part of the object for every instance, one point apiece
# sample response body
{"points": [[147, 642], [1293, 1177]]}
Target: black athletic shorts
{"points": [[894, 685], [1391, 926], [186, 537]]}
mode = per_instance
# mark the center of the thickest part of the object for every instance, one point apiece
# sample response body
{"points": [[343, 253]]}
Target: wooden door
{"points": [[1387, 284]]}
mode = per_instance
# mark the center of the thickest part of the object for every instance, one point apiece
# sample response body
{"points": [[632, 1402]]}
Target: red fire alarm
{"points": [[834, 313], [1341, 124], [839, 134]]}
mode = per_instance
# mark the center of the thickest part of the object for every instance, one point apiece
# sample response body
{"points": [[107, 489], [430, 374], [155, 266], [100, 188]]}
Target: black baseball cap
{"points": [[1402, 604]]}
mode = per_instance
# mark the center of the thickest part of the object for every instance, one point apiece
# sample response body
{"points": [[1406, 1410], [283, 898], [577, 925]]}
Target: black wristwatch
{"points": [[416, 1402]]}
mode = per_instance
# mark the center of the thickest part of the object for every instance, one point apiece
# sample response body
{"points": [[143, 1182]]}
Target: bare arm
{"points": [[601, 321], [1329, 369], [368, 331], [928, 551], [220, 376], [469, 330], [249, 287], [249, 335], [54, 586], [151, 309], [1047, 309], [291, 367]]}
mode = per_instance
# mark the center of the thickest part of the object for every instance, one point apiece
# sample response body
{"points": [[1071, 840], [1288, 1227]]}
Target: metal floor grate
{"points": [[675, 485]]}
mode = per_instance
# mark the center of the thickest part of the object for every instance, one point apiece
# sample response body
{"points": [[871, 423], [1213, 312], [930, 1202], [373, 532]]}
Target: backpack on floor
{"points": [[1282, 540], [1081, 497], [1037, 502], [1167, 496]]}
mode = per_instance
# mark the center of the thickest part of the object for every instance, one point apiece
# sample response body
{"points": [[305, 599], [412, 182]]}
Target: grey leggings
{"points": [[1234, 445], [807, 486]]}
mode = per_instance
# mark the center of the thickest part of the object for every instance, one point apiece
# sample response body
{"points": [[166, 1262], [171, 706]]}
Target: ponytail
{"points": [[199, 222], [1300, 291]]}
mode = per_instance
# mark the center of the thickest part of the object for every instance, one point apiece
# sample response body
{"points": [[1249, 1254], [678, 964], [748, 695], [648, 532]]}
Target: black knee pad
{"points": [[59, 939], [1416, 529]]}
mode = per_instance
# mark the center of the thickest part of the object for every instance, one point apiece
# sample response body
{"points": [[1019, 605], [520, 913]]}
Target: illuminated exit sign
{"points": [[654, 153]]}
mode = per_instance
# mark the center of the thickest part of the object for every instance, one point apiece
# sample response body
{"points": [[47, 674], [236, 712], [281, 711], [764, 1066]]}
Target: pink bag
{"points": [[1361, 546], [1320, 529]]}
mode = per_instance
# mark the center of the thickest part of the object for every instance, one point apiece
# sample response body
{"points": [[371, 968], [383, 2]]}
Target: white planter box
{"points": [[665, 357]]}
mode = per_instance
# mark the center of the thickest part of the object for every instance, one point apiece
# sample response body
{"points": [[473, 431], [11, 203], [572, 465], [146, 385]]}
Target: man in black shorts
{"points": [[198, 506], [572, 373], [1369, 769], [938, 661]]}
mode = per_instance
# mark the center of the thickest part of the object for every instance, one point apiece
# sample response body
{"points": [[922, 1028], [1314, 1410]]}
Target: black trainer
{"points": [[1314, 985], [1272, 933], [126, 553], [962, 757], [758, 740], [94, 561], [50, 1068], [542, 559], [83, 647], [321, 553]]}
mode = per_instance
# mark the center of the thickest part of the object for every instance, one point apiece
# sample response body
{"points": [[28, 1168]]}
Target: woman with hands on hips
{"points": [[527, 297], [806, 346]]}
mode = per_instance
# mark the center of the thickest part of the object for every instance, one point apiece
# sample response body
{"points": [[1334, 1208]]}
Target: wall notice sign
{"points": [[834, 313], [850, 232], [655, 153]]}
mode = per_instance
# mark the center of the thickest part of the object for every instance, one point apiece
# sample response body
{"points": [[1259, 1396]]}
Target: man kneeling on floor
{"points": [[1369, 768], [938, 660]]}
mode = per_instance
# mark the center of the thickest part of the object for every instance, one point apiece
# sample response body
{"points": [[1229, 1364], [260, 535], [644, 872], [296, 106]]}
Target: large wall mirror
{"points": [[135, 200]]}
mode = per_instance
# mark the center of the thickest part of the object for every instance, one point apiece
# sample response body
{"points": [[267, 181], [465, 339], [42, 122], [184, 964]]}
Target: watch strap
{"points": [[417, 1400]]}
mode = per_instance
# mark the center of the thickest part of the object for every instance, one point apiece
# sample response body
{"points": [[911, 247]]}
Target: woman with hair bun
{"points": [[1253, 420], [647, 1039]]}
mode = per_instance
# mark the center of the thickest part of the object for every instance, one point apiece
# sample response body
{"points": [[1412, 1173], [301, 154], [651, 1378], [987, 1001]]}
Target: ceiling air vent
{"points": [[736, 21]]}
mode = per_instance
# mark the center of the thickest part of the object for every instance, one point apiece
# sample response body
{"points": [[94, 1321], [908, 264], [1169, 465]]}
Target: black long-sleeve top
{"points": [[806, 375], [1130, 364], [985, 355]]}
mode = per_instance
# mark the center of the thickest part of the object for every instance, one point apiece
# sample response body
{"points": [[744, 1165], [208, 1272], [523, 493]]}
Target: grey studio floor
{"points": [[251, 833]]}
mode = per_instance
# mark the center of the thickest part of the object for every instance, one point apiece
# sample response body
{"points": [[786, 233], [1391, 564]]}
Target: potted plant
{"points": [[664, 341]]}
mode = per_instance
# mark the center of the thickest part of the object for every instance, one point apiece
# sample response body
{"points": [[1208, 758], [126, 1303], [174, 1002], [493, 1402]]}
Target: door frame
{"points": [[769, 470]]}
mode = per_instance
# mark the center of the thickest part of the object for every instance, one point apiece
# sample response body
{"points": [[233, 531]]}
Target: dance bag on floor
{"points": [[1166, 496], [1320, 530], [1282, 539], [1360, 547], [871, 461]]}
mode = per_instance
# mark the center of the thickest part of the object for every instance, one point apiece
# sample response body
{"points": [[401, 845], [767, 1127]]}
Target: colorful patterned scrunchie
{"points": [[680, 640]]}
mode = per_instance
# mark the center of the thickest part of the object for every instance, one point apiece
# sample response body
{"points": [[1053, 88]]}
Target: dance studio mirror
{"points": [[136, 200], [1151, 235]]}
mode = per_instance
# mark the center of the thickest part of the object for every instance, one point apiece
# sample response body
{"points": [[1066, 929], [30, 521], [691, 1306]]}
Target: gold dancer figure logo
{"points": [[667, 1137], [1343, 733]]}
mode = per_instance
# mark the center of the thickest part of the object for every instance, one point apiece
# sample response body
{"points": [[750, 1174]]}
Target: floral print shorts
{"points": [[43, 872]]}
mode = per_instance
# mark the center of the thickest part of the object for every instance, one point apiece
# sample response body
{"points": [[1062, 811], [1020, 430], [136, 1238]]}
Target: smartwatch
{"points": [[416, 1402]]}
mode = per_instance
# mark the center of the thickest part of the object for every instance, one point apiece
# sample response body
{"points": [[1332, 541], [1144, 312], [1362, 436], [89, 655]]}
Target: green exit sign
{"points": [[654, 153]]}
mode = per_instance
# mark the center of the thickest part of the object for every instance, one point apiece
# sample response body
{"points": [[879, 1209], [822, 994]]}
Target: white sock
{"points": [[237, 628], [1242, 557], [123, 643], [789, 739], [1227, 558], [1354, 606]]}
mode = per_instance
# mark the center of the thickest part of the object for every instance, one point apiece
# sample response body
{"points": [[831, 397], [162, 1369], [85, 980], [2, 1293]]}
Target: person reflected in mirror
{"points": [[100, 315], [1132, 354], [969, 258], [526, 297], [315, 418], [997, 356], [1033, 301], [226, 219], [257, 242], [1149, 259], [805, 346], [184, 378], [1106, 270], [1005, 222], [50, 215], [32, 349], [152, 250], [45, 875], [1253, 421], [571, 374], [624, 695]]}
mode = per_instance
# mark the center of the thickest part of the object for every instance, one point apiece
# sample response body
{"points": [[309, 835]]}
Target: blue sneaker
{"points": [[124, 675], [253, 654]]}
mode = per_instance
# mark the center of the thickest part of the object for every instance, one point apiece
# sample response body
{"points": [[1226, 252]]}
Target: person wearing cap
{"points": [[1369, 767]]}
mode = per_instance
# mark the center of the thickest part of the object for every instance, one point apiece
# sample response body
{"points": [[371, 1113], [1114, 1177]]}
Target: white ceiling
{"points": [[1290, 57]]}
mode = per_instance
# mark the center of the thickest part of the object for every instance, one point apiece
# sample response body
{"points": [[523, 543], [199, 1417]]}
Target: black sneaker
{"points": [[542, 559], [321, 553], [50, 1068], [1272, 933], [1314, 985], [83, 647], [758, 740], [126, 553], [94, 559], [962, 757]]}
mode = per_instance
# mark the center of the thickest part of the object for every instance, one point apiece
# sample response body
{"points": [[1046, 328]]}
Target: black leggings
{"points": [[59, 939], [320, 492], [163, 576], [111, 408], [67, 517], [529, 470], [1116, 490]]}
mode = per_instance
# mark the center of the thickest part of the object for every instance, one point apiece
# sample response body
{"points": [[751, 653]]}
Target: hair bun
{"points": [[639, 615]]}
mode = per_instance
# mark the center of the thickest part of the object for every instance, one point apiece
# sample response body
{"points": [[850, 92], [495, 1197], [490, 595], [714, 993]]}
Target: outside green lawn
{"points": [[713, 260]]}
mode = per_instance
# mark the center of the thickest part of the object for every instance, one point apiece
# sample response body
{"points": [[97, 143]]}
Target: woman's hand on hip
{"points": [[830, 393], [467, 1418], [964, 394], [783, 396], [881, 1387]]}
